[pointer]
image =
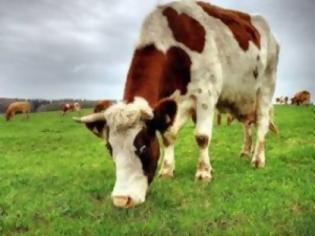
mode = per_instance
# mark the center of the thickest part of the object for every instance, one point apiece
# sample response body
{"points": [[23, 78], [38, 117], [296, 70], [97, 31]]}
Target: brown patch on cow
{"points": [[202, 141], [204, 106], [238, 22], [185, 29], [199, 90], [154, 75], [258, 58], [255, 72]]}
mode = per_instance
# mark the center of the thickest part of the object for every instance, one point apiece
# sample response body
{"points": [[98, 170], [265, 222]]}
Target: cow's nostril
{"points": [[123, 201]]}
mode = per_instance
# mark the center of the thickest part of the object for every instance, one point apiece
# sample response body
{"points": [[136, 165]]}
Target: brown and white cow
{"points": [[70, 107], [102, 105], [302, 97], [191, 58], [17, 107]]}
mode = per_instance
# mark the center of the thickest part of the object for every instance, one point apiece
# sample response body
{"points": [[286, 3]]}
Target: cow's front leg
{"points": [[248, 140], [168, 165], [169, 138], [203, 132]]}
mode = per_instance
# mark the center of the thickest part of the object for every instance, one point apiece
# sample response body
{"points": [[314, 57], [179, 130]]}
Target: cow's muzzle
{"points": [[124, 202]]}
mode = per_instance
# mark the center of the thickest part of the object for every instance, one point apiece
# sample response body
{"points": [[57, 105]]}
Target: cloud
{"points": [[82, 49]]}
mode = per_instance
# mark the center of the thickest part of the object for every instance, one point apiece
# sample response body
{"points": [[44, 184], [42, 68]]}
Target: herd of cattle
{"points": [[192, 58], [302, 97], [24, 107]]}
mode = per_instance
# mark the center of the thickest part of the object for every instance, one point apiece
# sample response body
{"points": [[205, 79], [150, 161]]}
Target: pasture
{"points": [[56, 179]]}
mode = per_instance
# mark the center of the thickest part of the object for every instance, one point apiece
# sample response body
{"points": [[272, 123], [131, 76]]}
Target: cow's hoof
{"points": [[203, 175], [257, 163], [166, 173], [123, 202], [245, 154]]}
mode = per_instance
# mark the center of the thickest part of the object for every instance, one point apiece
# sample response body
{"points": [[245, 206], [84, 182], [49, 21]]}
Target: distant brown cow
{"points": [[102, 105], [16, 107], [302, 97], [70, 107]]}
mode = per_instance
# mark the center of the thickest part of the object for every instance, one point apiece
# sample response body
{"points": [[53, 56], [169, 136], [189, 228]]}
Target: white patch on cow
{"points": [[122, 116], [125, 122]]}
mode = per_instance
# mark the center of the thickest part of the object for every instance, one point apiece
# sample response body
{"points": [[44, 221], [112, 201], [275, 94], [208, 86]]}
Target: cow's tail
{"points": [[272, 127]]}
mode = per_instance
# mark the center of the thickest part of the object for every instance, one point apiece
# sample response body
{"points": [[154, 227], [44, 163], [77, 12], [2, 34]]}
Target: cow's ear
{"points": [[96, 123], [163, 115], [98, 128]]}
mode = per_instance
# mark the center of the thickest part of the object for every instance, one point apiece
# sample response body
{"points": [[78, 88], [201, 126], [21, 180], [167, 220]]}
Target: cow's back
{"points": [[222, 39]]}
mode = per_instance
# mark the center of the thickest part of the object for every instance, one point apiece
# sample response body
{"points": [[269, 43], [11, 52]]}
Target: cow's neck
{"points": [[154, 75]]}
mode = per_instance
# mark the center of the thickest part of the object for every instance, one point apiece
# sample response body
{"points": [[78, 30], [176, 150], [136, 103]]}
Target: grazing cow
{"points": [[70, 107], [302, 97], [15, 107], [192, 57], [102, 105]]}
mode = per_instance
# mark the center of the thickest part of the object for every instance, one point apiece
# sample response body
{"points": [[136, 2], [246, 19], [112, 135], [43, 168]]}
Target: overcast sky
{"points": [[82, 48]]}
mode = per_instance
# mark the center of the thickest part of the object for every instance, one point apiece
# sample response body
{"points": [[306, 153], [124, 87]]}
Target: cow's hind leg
{"points": [[248, 140], [205, 107], [258, 159], [264, 102]]}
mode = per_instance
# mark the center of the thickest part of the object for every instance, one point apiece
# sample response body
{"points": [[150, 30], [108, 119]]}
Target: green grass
{"points": [[56, 179]]}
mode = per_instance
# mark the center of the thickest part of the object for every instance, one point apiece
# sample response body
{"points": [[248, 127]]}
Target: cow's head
{"points": [[8, 115], [130, 132]]}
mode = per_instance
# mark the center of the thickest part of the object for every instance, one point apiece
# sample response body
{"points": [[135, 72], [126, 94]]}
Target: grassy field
{"points": [[56, 179]]}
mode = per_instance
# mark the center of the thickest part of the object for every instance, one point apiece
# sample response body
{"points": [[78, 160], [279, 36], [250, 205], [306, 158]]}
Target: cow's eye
{"points": [[142, 149]]}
